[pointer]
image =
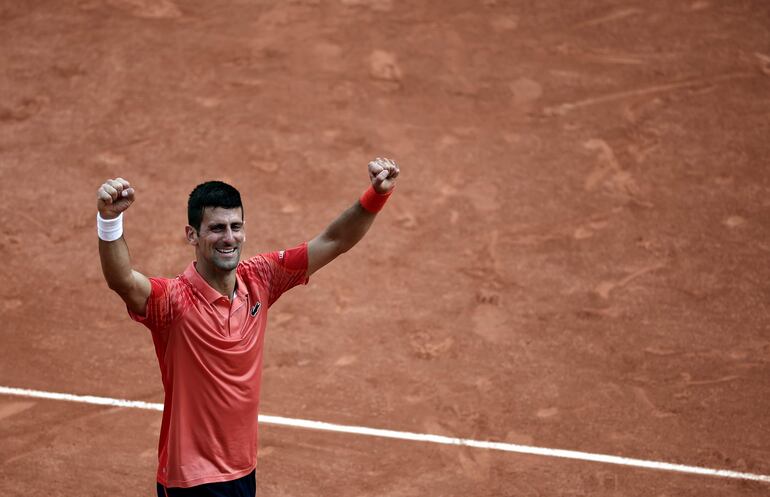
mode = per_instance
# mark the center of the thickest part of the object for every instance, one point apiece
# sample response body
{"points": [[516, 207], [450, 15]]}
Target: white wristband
{"points": [[109, 230]]}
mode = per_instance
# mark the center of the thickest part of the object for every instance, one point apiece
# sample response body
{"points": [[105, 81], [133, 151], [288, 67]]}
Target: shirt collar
{"points": [[202, 286]]}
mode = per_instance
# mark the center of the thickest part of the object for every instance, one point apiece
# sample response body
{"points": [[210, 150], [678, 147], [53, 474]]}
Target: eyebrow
{"points": [[222, 225]]}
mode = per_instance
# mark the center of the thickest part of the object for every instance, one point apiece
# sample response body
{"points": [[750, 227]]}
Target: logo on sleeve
{"points": [[255, 309]]}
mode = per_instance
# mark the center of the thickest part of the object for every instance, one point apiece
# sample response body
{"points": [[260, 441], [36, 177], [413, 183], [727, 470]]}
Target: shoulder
{"points": [[290, 258], [162, 283], [257, 266], [177, 291]]}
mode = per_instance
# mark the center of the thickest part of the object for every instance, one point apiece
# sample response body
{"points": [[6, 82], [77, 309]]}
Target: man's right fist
{"points": [[113, 197]]}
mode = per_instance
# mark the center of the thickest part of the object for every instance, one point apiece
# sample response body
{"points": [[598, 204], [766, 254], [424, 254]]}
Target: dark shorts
{"points": [[242, 487]]}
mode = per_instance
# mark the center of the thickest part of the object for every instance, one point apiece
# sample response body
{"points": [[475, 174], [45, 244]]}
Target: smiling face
{"points": [[220, 238]]}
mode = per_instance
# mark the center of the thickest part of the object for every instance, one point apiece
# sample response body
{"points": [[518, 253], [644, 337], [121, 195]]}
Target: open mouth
{"points": [[229, 251]]}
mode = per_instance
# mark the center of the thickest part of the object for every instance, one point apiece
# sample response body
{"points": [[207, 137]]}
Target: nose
{"points": [[229, 235]]}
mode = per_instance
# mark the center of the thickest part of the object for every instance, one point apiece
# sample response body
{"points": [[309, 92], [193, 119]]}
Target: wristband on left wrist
{"points": [[373, 201]]}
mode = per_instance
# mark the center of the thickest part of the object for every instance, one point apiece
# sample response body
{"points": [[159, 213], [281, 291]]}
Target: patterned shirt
{"points": [[210, 354]]}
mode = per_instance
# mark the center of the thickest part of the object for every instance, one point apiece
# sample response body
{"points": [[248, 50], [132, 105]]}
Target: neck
{"points": [[219, 280]]}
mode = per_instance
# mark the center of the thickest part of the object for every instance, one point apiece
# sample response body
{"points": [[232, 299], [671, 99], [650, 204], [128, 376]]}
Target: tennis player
{"points": [[208, 324]]}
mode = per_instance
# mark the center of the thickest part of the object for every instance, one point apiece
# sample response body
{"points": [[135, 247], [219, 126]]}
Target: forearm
{"points": [[349, 227], [114, 197], [116, 265]]}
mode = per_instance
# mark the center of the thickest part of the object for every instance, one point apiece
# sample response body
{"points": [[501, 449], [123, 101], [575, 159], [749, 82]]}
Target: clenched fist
{"points": [[113, 197], [383, 173]]}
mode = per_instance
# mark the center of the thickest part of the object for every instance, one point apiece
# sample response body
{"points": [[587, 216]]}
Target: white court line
{"points": [[418, 437]]}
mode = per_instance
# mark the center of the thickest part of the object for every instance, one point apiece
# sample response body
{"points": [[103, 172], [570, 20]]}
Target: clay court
{"points": [[576, 256]]}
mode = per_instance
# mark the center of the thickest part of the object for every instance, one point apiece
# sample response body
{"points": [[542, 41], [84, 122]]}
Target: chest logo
{"points": [[255, 309]]}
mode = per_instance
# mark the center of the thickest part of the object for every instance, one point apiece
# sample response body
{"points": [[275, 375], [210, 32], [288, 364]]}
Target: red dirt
{"points": [[575, 257]]}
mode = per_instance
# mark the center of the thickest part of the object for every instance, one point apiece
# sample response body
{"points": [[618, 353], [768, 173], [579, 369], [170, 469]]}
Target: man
{"points": [[208, 325]]}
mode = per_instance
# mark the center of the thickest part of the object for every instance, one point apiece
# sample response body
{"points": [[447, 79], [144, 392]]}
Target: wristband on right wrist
{"points": [[373, 201], [109, 230]]}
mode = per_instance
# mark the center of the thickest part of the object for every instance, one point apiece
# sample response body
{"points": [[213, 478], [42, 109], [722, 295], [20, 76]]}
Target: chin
{"points": [[226, 265]]}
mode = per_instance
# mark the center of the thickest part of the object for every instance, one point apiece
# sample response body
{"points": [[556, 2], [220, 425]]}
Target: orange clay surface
{"points": [[576, 255]]}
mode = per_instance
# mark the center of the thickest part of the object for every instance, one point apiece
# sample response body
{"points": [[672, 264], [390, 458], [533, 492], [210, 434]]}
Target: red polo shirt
{"points": [[210, 356]]}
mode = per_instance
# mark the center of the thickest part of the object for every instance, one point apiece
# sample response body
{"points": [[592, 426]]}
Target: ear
{"points": [[191, 235]]}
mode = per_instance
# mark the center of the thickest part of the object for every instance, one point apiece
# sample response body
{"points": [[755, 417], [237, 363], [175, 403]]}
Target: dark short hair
{"points": [[211, 194]]}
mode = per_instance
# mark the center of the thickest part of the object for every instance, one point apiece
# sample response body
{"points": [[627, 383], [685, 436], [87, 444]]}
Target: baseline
{"points": [[417, 437]]}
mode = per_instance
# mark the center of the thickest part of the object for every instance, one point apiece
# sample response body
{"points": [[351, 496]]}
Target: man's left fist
{"points": [[383, 174]]}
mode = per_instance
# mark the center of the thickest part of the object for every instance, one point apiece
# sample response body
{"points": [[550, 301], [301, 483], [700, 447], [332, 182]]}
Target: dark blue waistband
{"points": [[245, 486]]}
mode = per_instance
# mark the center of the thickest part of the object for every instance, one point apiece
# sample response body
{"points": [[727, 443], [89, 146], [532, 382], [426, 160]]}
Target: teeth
{"points": [[226, 251]]}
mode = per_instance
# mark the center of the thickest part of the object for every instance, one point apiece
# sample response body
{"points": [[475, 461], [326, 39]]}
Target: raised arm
{"points": [[113, 198], [345, 231]]}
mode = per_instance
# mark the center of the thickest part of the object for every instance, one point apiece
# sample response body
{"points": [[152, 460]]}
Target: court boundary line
{"points": [[417, 437]]}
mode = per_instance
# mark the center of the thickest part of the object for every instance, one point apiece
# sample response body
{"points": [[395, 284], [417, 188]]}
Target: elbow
{"points": [[119, 286], [344, 247], [336, 245]]}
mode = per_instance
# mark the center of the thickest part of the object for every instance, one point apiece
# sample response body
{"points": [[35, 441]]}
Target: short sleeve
{"points": [[159, 314], [279, 271]]}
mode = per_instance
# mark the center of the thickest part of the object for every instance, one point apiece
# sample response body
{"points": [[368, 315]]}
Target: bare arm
{"points": [[114, 197], [350, 226]]}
